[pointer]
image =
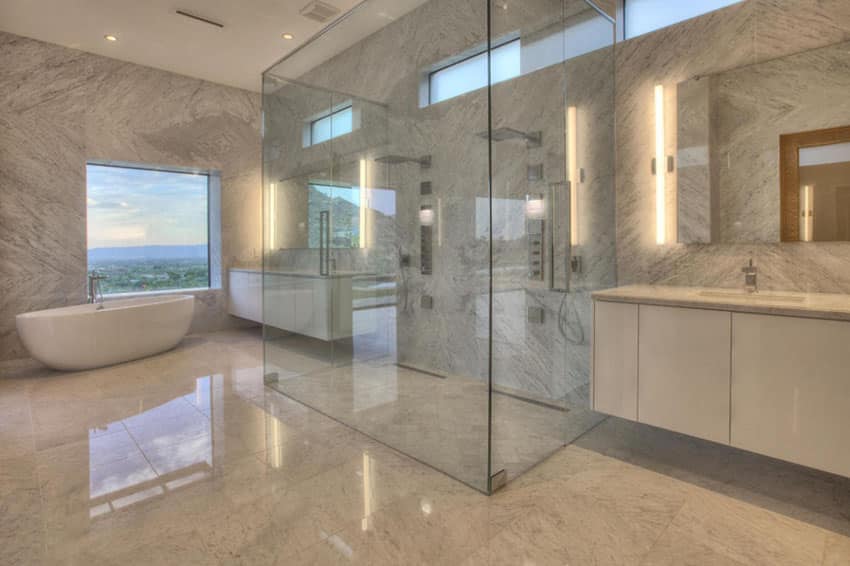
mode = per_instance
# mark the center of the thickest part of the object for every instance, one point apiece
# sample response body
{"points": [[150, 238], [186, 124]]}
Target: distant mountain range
{"points": [[148, 252]]}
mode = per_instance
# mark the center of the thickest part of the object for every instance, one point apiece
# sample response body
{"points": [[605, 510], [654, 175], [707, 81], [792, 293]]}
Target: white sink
{"points": [[752, 296]]}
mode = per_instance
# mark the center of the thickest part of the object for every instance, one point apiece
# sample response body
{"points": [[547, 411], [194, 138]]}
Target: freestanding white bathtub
{"points": [[82, 337]]}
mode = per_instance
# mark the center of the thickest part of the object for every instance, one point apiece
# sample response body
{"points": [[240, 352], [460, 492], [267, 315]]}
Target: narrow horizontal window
{"points": [[148, 229], [471, 73], [644, 16], [332, 125]]}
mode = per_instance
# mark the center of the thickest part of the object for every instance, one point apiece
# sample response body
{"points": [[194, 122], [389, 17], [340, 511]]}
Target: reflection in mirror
{"points": [[824, 185], [730, 153]]}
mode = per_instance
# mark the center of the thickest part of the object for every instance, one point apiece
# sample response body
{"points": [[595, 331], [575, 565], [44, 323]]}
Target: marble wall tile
{"points": [[59, 108], [743, 34]]}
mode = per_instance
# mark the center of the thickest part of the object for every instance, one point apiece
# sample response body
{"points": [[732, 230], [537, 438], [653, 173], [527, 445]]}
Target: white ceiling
{"points": [[151, 33]]}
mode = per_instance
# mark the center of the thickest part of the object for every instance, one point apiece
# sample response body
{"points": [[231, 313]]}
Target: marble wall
{"points": [[743, 34], [60, 107]]}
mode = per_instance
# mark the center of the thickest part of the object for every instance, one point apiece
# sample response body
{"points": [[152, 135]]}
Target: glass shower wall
{"points": [[376, 292], [553, 217], [423, 282]]}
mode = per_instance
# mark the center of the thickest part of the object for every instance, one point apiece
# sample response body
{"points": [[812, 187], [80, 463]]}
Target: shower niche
{"points": [[440, 193]]}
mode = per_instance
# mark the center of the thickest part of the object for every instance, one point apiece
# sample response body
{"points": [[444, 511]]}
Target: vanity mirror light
{"points": [[815, 185]]}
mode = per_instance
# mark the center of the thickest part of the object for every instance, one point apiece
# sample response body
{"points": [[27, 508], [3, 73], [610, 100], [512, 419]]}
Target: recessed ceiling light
{"points": [[287, 36], [110, 37]]}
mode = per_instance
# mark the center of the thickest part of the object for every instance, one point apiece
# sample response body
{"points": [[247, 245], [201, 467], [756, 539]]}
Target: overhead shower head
{"points": [[533, 139], [424, 161]]}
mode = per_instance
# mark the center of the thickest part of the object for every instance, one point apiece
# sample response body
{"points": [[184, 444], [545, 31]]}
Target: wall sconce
{"points": [[272, 216], [660, 189], [572, 171]]}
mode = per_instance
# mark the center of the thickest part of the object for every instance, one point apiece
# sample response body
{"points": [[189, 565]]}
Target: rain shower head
{"points": [[424, 161], [533, 139]]}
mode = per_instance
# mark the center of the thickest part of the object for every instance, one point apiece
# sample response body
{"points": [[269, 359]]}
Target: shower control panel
{"points": [[535, 249]]}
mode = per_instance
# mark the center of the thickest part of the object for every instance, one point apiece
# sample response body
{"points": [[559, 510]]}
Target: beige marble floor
{"points": [[186, 458]]}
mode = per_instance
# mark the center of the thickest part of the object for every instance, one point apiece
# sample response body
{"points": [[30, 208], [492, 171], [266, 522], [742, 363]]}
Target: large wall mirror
{"points": [[764, 151]]}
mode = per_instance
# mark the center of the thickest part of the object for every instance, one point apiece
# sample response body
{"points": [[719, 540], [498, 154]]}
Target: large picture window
{"points": [[148, 229]]}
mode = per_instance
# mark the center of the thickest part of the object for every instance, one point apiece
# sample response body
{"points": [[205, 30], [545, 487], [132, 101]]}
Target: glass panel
{"points": [[553, 226], [407, 272], [147, 228], [331, 126], [644, 16], [471, 74], [341, 122], [296, 295]]}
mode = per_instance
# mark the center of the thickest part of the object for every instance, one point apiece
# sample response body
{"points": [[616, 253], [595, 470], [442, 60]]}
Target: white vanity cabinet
{"points": [[791, 389], [246, 295], [311, 305], [771, 377]]}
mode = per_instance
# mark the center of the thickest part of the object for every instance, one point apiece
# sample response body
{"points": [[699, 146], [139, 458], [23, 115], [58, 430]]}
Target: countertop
{"points": [[305, 273], [790, 303]]}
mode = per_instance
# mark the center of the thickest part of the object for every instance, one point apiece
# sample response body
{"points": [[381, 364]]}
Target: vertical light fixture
{"points": [[660, 169], [572, 168], [272, 216], [808, 226], [364, 201]]}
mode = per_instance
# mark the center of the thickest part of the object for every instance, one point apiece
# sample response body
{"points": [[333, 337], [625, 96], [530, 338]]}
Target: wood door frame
{"points": [[789, 173]]}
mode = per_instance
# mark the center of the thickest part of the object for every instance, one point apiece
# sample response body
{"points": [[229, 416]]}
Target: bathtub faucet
{"points": [[95, 292]]}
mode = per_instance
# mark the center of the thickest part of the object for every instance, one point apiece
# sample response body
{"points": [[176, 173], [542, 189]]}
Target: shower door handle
{"points": [[324, 242]]}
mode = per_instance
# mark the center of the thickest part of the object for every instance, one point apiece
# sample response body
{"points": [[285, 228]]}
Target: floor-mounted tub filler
{"points": [[87, 336]]}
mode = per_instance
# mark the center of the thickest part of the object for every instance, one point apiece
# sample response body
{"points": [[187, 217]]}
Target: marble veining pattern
{"points": [[61, 107]]}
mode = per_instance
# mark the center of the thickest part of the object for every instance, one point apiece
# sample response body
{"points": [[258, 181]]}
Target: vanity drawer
{"points": [[615, 356], [791, 389], [684, 370]]}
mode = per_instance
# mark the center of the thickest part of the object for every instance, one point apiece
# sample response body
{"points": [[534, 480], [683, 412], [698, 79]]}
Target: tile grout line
{"points": [[664, 531], [139, 448]]}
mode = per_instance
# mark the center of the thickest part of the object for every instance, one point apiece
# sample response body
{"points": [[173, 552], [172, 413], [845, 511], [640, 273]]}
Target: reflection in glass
{"points": [[416, 271]]}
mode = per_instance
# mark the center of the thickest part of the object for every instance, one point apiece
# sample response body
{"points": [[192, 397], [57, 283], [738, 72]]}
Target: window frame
{"points": [[623, 33], [209, 175], [309, 126], [428, 98]]}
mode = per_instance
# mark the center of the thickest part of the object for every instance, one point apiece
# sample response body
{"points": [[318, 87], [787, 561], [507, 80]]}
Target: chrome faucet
{"points": [[751, 277], [95, 291]]}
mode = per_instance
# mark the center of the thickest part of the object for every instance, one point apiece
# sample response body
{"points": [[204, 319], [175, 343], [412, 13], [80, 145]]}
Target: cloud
{"points": [[129, 207]]}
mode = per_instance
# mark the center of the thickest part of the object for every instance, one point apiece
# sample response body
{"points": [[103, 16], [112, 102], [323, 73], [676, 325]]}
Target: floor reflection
{"points": [[170, 446]]}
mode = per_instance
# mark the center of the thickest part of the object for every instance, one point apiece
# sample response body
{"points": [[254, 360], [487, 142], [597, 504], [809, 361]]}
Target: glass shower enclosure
{"points": [[438, 207]]}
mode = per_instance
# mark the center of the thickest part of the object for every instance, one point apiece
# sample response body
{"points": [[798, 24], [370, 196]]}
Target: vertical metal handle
{"points": [[324, 241]]}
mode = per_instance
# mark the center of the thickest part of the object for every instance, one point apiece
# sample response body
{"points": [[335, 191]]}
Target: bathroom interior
{"points": [[425, 282]]}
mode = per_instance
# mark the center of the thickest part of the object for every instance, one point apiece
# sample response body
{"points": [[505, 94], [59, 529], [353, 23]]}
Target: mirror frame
{"points": [[789, 173]]}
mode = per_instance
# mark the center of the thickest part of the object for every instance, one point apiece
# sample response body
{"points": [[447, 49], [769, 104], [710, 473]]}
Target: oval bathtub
{"points": [[82, 337]]}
